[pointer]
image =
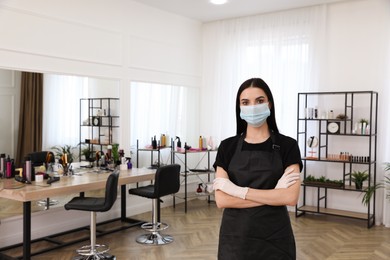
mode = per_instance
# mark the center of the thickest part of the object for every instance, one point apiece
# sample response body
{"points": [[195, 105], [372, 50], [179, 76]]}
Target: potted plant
{"points": [[115, 154], [59, 151], [369, 191], [65, 157], [387, 181], [358, 177], [322, 181], [364, 126]]}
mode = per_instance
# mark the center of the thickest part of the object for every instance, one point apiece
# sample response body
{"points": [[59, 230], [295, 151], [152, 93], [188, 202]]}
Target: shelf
{"points": [[194, 151], [330, 148], [345, 187], [96, 143], [151, 149], [195, 171], [191, 173], [192, 194], [104, 128], [334, 212], [334, 161]]}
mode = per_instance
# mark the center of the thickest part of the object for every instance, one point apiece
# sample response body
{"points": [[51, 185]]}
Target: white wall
{"points": [[117, 39], [358, 58]]}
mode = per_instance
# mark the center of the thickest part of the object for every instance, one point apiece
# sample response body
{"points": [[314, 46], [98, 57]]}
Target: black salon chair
{"points": [[167, 181], [93, 204], [39, 159]]}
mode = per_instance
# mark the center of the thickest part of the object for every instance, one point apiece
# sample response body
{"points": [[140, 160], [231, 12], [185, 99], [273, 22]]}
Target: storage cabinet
{"points": [[183, 157], [99, 123], [337, 135]]}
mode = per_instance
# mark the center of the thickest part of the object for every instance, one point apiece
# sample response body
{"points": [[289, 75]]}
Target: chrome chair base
{"points": [[47, 203], [98, 252], [154, 227], [88, 250], [154, 238], [105, 256]]}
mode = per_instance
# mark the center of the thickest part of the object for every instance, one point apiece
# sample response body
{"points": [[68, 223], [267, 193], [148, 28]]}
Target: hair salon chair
{"points": [[167, 181], [93, 204]]}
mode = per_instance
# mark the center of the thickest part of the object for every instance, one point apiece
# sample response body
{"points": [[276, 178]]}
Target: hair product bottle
{"points": [[2, 165], [154, 143], [8, 163], [27, 168]]}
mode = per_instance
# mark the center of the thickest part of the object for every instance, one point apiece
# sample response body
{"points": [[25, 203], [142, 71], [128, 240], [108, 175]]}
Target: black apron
{"points": [[261, 232]]}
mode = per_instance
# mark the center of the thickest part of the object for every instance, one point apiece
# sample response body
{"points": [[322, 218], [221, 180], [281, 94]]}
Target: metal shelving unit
{"points": [[152, 151], [188, 172], [315, 124], [98, 118]]}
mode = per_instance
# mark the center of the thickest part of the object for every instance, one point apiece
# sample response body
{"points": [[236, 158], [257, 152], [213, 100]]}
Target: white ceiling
{"points": [[203, 11]]}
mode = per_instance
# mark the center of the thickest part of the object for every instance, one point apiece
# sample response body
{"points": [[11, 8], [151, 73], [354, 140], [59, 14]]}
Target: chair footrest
{"points": [[88, 250], [154, 227], [106, 256], [154, 239], [44, 202]]}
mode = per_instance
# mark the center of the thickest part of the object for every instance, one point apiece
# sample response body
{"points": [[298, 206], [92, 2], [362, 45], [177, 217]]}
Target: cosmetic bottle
{"points": [[2, 164], [129, 164], [199, 189], [200, 143], [108, 153], [8, 170], [331, 114], [154, 143], [13, 169], [178, 145], [121, 154], [27, 172]]}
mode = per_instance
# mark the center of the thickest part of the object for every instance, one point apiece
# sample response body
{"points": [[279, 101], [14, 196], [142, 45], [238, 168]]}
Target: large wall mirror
{"points": [[61, 118], [150, 109]]}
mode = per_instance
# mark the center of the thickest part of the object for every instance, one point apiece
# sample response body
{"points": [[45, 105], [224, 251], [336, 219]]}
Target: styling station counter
{"points": [[83, 181]]}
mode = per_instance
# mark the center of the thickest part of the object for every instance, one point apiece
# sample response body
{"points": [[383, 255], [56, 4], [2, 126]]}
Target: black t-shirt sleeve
{"points": [[225, 153], [290, 152]]}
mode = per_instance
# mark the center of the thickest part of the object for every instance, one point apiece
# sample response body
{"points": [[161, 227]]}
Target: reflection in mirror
{"points": [[62, 94], [61, 116]]}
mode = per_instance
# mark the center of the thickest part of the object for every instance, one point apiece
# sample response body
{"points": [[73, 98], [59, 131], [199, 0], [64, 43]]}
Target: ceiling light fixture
{"points": [[218, 2]]}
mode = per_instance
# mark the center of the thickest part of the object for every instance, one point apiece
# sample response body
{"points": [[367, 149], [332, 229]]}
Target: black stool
{"points": [[93, 204], [167, 181]]}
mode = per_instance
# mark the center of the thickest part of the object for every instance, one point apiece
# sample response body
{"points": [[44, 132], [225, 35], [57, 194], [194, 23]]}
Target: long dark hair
{"points": [[257, 83]]}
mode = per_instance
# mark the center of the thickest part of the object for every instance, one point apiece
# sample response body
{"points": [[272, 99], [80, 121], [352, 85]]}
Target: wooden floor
{"points": [[196, 237]]}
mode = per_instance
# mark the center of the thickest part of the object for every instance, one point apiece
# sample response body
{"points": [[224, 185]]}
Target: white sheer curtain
{"points": [[61, 109], [282, 48], [158, 109]]}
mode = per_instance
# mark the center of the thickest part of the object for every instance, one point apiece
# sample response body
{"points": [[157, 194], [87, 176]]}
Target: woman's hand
{"points": [[230, 188], [288, 178]]}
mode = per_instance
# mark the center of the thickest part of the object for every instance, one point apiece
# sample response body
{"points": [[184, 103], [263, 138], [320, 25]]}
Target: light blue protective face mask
{"points": [[255, 115]]}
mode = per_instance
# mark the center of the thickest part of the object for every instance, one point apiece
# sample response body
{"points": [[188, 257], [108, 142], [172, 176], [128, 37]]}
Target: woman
{"points": [[257, 175]]}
